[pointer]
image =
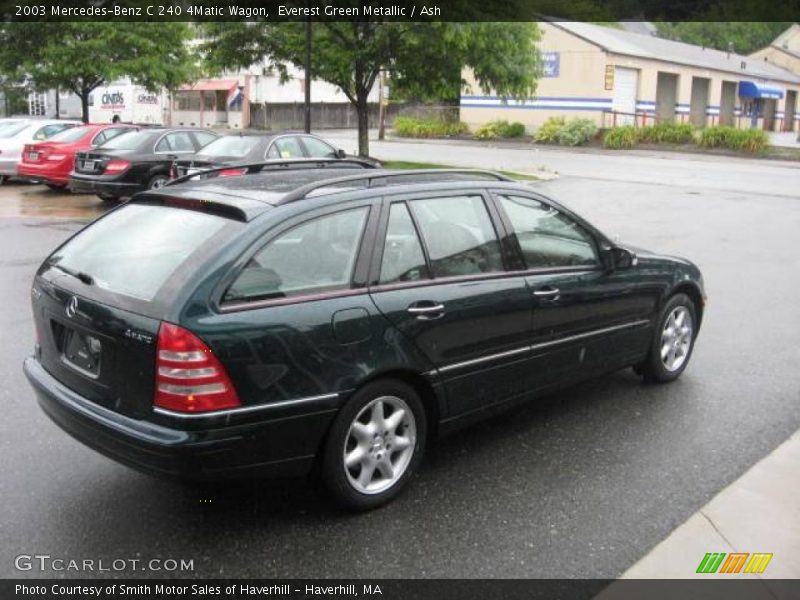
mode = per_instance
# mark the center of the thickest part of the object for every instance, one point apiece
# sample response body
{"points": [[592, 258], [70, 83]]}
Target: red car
{"points": [[50, 162]]}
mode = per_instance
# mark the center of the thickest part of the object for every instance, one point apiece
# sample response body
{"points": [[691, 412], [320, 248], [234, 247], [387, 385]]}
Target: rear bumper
{"points": [[42, 174], [95, 185], [8, 166], [280, 447]]}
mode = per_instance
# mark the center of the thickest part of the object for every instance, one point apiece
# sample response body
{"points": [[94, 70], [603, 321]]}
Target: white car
{"points": [[15, 133]]}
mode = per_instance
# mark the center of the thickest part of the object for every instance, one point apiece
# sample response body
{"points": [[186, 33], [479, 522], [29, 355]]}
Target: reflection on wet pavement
{"points": [[28, 200]]}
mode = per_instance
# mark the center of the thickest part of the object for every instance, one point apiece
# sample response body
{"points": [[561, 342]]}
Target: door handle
{"points": [[426, 310], [547, 293]]}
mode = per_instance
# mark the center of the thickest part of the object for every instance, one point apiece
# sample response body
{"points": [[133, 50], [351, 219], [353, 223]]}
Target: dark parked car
{"points": [[243, 148], [135, 161], [269, 323]]}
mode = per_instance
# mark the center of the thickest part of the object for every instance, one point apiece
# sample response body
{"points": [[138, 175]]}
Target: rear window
{"points": [[234, 145], [71, 135], [12, 129], [130, 141], [134, 250]]}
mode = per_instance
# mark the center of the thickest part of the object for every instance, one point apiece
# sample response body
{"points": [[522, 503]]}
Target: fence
{"points": [[279, 116]]}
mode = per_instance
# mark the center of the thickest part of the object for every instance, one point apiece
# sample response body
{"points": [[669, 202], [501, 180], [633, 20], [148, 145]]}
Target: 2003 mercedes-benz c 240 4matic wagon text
{"points": [[275, 322]]}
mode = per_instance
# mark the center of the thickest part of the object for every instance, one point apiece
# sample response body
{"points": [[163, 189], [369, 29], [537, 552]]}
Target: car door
{"points": [[440, 279], [294, 321], [585, 316]]}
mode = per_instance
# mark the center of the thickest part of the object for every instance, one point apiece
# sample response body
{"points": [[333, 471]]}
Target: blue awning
{"points": [[751, 89]]}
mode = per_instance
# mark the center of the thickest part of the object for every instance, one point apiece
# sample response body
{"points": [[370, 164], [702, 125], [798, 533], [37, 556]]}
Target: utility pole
{"points": [[382, 105], [307, 82]]}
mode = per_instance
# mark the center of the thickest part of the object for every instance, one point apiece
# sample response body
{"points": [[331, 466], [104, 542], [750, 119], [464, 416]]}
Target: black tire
{"points": [[338, 478], [56, 187], [157, 181], [108, 198], [654, 368], [3, 179]]}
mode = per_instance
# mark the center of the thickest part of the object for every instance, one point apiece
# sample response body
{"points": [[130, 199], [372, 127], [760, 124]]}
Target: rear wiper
{"points": [[84, 277]]}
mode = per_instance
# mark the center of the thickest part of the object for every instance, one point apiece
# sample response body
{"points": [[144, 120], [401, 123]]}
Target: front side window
{"points": [[403, 259], [547, 237], [313, 257], [459, 235], [318, 149]]}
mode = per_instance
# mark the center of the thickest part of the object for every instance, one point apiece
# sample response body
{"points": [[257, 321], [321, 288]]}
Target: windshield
{"points": [[129, 141], [231, 145], [72, 134], [134, 250], [12, 129]]}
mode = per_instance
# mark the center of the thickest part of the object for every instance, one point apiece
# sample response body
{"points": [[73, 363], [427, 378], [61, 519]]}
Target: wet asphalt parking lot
{"points": [[579, 484]]}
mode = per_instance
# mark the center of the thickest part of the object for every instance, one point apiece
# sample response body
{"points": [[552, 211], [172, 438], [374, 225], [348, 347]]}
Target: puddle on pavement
{"points": [[27, 200]]}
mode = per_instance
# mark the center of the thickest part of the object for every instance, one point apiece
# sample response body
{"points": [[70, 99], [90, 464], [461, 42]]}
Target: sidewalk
{"points": [[757, 513], [786, 139]]}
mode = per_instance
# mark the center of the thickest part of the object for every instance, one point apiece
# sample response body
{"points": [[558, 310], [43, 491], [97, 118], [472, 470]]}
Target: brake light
{"points": [[117, 166], [189, 378], [232, 172]]}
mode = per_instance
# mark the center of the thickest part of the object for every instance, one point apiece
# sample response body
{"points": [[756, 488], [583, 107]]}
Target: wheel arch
{"points": [[431, 399], [692, 290]]}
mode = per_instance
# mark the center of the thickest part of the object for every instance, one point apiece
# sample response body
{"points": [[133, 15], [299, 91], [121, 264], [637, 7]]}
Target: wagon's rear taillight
{"points": [[189, 378]]}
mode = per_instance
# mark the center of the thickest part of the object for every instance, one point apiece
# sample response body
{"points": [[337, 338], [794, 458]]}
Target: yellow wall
{"points": [[582, 79]]}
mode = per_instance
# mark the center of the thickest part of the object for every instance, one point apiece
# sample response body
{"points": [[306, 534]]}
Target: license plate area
{"points": [[33, 155], [88, 165], [82, 352]]}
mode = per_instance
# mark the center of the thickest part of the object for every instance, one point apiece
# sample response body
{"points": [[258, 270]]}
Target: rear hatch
{"points": [[99, 300]]}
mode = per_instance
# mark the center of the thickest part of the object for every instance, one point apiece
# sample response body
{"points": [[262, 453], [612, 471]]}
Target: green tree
{"points": [[425, 58], [742, 37], [82, 56]]}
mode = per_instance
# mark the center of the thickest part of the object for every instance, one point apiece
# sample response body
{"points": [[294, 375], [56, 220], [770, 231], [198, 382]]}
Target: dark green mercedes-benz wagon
{"points": [[339, 319]]}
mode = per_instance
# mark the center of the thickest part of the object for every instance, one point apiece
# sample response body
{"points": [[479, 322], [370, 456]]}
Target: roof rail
{"points": [[257, 167], [381, 177]]}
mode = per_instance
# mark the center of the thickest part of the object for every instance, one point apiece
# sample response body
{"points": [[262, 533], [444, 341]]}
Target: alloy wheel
{"points": [[676, 338], [379, 444]]}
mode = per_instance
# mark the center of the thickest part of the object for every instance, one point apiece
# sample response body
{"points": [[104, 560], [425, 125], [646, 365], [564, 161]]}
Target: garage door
{"points": [[625, 85]]}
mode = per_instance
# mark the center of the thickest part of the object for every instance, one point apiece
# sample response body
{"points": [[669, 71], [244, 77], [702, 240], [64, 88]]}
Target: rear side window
{"points": [[50, 130], [317, 148], [547, 237], [459, 235], [179, 141], [204, 138], [134, 250], [316, 256], [289, 147]]}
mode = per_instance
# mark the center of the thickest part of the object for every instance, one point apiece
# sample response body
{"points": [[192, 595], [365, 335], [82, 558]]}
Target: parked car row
{"points": [[99, 159]]}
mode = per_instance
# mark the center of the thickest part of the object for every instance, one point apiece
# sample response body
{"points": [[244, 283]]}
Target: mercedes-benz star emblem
{"points": [[72, 306]]}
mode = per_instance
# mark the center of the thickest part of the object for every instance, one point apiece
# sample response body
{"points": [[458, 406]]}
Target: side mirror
{"points": [[620, 258], [341, 153]]}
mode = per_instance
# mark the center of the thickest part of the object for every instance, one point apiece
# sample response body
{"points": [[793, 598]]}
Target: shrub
{"points": [[620, 138], [666, 133], [548, 132], [503, 129], [427, 128], [576, 132], [730, 138]]}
